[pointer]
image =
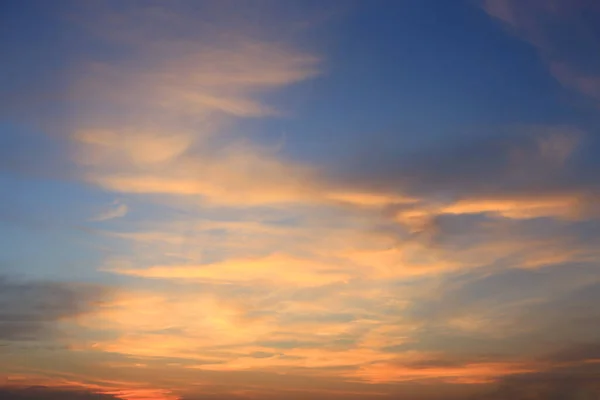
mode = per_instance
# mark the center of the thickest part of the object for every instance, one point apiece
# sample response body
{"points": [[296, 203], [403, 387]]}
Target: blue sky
{"points": [[281, 199]]}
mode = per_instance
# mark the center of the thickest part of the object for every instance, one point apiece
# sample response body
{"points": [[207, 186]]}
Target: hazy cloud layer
{"points": [[30, 310], [43, 393]]}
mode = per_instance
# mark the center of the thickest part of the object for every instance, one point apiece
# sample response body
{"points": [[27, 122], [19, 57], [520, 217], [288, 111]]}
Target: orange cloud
{"points": [[174, 105], [121, 389], [225, 332], [475, 373], [276, 268], [567, 206]]}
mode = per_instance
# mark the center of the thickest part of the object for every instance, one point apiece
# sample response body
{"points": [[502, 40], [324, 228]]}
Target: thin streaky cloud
{"points": [[116, 210]]}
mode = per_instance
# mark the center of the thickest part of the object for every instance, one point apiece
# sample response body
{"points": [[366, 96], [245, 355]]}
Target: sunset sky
{"points": [[300, 199]]}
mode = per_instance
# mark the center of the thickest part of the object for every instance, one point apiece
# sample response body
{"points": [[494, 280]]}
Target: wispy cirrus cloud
{"points": [[562, 34], [117, 209], [168, 129]]}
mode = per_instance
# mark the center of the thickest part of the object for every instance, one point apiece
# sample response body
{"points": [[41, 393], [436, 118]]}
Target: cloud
{"points": [[181, 324], [31, 310], [480, 328], [164, 119], [518, 207], [116, 210], [546, 25], [48, 393], [304, 330], [250, 271], [525, 173], [54, 384], [509, 161], [475, 373], [336, 299], [167, 119], [551, 385], [276, 268], [586, 353], [482, 316], [517, 201]]}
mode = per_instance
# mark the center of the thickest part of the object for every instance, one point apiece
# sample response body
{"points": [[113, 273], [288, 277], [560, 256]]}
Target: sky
{"points": [[300, 199]]}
